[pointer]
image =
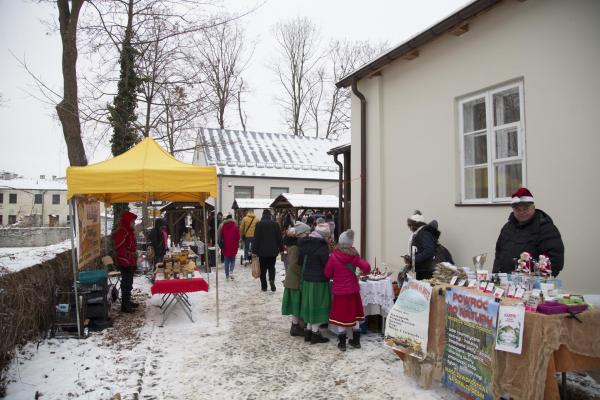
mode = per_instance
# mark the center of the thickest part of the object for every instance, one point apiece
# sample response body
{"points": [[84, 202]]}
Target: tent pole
{"points": [[105, 230], [217, 258], [205, 249], [74, 261]]}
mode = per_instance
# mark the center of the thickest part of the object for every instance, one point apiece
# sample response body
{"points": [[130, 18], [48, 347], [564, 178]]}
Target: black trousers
{"points": [[266, 264], [126, 284]]}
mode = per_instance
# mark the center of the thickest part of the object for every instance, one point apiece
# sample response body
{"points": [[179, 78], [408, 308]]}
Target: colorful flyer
{"points": [[470, 338], [407, 325], [511, 324]]}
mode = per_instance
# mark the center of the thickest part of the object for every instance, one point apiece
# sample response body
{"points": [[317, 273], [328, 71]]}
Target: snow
{"points": [[33, 184], [238, 153], [253, 203], [250, 355], [311, 200], [13, 259]]}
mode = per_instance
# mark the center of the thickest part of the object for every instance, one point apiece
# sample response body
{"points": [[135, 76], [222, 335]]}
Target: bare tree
{"points": [[242, 114], [221, 60], [298, 44], [68, 108]]}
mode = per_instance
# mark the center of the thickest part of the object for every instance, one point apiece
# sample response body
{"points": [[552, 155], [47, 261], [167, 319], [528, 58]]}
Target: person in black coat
{"points": [[424, 238], [268, 244], [528, 230], [157, 239]]}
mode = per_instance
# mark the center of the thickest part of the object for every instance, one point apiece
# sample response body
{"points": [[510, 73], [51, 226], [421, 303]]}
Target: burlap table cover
{"points": [[521, 376]]}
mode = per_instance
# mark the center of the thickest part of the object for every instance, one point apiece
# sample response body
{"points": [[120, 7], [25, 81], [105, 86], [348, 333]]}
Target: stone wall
{"points": [[33, 237]]}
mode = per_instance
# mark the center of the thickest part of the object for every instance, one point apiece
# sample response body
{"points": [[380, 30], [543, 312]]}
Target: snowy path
{"points": [[249, 356]]}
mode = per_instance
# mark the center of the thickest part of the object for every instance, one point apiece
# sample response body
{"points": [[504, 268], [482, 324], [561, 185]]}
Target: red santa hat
{"points": [[522, 195]]}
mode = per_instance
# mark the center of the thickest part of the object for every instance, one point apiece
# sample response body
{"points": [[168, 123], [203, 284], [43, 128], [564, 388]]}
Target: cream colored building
{"points": [[46, 199], [264, 165], [497, 95]]}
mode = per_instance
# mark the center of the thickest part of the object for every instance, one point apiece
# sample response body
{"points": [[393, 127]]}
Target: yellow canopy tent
{"points": [[146, 172]]}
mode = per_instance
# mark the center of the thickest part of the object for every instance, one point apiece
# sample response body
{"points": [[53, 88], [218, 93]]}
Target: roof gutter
{"points": [[363, 167]]}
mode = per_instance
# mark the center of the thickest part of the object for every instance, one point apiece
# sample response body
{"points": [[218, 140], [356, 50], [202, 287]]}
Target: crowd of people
{"points": [[321, 284]]}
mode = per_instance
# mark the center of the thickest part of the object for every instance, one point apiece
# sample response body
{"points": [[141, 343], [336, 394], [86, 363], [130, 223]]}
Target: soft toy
{"points": [[543, 265], [524, 263]]}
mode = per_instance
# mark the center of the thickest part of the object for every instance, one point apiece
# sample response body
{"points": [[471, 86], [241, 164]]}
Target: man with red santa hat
{"points": [[528, 230]]}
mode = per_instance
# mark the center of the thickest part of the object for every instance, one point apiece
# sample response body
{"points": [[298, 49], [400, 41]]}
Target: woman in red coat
{"points": [[346, 307], [126, 247], [229, 239]]}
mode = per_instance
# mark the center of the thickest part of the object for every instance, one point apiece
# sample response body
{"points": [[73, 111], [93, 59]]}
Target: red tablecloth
{"points": [[179, 286]]}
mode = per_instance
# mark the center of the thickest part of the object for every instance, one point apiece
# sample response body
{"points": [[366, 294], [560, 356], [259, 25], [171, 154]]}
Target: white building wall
{"points": [[553, 47], [262, 187], [25, 205]]}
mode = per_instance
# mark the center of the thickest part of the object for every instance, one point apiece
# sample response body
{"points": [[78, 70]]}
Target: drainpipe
{"points": [[363, 167], [341, 179]]}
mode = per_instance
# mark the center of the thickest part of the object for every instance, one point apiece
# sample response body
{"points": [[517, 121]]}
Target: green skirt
{"points": [[316, 301], [290, 304]]}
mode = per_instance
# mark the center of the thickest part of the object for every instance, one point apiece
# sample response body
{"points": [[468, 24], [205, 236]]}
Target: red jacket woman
{"points": [[230, 235], [341, 265], [125, 243]]}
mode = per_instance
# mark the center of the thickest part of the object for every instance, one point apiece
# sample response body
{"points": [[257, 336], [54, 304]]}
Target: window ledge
{"points": [[481, 204]]}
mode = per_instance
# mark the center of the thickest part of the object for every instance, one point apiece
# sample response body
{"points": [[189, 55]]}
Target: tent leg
{"points": [[217, 259], [75, 263]]}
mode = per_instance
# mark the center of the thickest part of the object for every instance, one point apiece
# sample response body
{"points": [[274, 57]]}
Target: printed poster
{"points": [[407, 324], [471, 321], [511, 323], [88, 231]]}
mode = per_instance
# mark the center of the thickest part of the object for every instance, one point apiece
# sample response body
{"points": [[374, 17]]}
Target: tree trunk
{"points": [[68, 108]]}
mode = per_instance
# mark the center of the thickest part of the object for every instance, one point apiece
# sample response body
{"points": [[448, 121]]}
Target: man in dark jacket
{"points": [[158, 239], [267, 245], [528, 230]]}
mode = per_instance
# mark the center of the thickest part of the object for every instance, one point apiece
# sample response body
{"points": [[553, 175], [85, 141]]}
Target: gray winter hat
{"points": [[301, 228], [347, 238]]}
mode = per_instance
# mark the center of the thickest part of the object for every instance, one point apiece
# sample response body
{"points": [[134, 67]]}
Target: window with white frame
{"points": [[492, 142], [312, 191], [243, 192], [276, 191]]}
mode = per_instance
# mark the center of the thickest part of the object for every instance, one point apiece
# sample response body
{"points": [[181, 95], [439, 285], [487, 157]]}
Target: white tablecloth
{"points": [[377, 296]]}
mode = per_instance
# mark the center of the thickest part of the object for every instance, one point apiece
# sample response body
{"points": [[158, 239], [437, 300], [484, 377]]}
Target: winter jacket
{"points": [[248, 226], [537, 236], [294, 269], [231, 238], [267, 238], [425, 239], [341, 268], [157, 238], [125, 243], [316, 252]]}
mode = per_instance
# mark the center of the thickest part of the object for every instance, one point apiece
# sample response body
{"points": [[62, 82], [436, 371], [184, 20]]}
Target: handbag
{"points": [[255, 267]]}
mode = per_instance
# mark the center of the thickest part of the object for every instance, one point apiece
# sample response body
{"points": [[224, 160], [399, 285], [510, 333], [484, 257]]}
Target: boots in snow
{"points": [[342, 342], [296, 330], [307, 335], [355, 341], [273, 288], [317, 337]]}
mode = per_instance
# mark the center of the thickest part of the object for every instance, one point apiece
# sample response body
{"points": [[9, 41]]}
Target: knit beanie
{"points": [[347, 238], [301, 228], [323, 230], [417, 217]]}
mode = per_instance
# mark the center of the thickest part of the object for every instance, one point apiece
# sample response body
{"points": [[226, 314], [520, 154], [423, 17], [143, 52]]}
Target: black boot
{"points": [[318, 338], [133, 305], [273, 288], [126, 303], [355, 341], [296, 330], [307, 335], [342, 342]]}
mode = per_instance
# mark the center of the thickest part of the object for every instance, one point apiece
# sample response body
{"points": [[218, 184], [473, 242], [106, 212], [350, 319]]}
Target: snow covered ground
{"points": [[13, 259], [250, 355]]}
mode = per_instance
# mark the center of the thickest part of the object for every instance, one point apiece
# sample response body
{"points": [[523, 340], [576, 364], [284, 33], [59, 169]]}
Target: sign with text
{"points": [[407, 325], [88, 231], [470, 338], [511, 323]]}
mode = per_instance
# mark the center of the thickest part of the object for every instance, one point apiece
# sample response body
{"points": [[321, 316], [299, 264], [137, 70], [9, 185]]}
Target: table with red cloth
{"points": [[175, 291]]}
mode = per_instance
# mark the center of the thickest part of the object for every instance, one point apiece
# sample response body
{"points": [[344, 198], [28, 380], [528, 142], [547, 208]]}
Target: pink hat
{"points": [[522, 195]]}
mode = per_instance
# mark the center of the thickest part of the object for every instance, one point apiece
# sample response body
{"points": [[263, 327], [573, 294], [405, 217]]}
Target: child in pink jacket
{"points": [[346, 307]]}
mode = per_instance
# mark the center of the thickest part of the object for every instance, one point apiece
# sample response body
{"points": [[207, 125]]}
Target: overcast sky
{"points": [[30, 134]]}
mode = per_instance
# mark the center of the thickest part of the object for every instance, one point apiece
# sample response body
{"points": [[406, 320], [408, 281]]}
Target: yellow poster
{"points": [[88, 218]]}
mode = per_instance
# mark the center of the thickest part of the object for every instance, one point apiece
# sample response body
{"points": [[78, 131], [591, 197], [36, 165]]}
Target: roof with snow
{"points": [[273, 155], [256, 204], [32, 184], [289, 200]]}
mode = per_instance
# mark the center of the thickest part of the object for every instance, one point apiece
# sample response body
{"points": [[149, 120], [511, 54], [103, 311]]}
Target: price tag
{"points": [[519, 293], [482, 285], [453, 280], [498, 292], [490, 287], [462, 282], [511, 291]]}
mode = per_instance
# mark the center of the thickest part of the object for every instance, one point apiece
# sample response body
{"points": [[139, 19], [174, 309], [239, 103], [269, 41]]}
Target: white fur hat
{"points": [[323, 230], [417, 217]]}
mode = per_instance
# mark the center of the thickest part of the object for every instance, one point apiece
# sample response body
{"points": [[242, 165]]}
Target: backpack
{"points": [[442, 254]]}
